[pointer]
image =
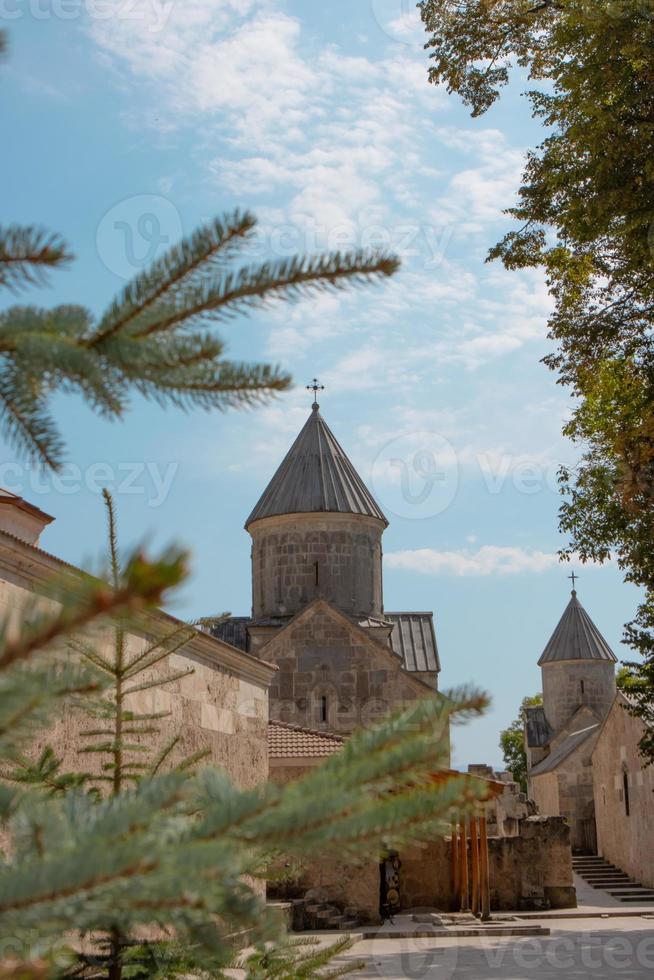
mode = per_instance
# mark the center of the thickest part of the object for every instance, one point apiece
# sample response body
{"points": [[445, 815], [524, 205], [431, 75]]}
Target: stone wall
{"points": [[544, 791], [532, 870], [425, 876], [323, 655], [296, 558], [568, 792], [563, 694], [625, 840], [221, 707], [529, 871]]}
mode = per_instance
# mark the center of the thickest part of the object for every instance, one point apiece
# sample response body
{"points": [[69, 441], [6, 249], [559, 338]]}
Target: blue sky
{"points": [[127, 123]]}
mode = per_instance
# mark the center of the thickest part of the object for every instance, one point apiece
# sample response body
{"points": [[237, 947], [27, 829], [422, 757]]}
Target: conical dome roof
{"points": [[316, 477], [576, 638]]}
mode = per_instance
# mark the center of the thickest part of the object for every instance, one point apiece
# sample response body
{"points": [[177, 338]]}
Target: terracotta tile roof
{"points": [[292, 742]]}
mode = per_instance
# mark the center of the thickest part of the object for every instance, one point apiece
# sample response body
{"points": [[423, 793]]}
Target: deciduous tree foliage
{"points": [[584, 214], [512, 743]]}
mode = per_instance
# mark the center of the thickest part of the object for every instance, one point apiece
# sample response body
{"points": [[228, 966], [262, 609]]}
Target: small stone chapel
{"points": [[317, 596]]}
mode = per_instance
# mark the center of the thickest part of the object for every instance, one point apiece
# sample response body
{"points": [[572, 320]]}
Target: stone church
{"points": [[317, 596], [578, 677], [583, 759]]}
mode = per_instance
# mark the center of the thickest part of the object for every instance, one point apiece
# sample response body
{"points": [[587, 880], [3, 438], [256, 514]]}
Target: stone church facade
{"points": [[578, 677], [317, 596], [583, 755]]}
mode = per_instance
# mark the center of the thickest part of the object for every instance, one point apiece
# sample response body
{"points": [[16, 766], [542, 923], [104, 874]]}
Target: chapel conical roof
{"points": [[576, 638], [316, 476]]}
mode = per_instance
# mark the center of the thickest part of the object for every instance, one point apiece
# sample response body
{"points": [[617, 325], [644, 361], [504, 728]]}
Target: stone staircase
{"points": [[600, 874], [321, 915], [315, 911]]}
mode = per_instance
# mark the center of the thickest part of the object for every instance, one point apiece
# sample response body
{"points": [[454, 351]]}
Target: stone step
{"points": [[644, 896], [612, 879], [605, 876], [348, 925], [607, 885], [327, 912]]}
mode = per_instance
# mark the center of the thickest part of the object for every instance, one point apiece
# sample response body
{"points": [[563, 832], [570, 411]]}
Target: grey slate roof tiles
{"points": [[414, 640], [539, 732], [576, 638], [316, 476], [561, 752], [233, 631]]}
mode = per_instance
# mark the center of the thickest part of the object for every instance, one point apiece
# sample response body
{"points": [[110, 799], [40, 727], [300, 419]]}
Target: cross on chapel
{"points": [[315, 388]]}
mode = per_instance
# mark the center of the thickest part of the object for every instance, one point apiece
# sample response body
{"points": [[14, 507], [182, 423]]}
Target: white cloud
{"points": [[484, 561], [476, 195], [334, 146]]}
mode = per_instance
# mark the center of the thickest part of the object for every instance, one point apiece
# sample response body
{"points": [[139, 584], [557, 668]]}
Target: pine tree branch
{"points": [[27, 254], [169, 644], [218, 240], [254, 286], [144, 584], [27, 422]]}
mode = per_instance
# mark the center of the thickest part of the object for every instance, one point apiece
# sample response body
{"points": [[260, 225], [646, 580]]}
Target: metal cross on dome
{"points": [[573, 578], [315, 388]]}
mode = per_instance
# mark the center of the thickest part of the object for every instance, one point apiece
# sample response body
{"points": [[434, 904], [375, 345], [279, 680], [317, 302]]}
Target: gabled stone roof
{"points": [[576, 638], [566, 748], [316, 476], [292, 742]]}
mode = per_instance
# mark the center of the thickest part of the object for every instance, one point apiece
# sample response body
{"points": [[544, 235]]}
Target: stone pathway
{"points": [[592, 902], [582, 949]]}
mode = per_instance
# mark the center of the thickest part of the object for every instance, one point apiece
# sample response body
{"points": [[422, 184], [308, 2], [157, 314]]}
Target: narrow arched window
{"points": [[625, 786], [323, 709], [316, 573], [581, 685]]}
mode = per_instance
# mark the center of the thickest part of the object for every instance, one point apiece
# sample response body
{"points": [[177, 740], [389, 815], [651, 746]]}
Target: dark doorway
{"points": [[389, 886]]}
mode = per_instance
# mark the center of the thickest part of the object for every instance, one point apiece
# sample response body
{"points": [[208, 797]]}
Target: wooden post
{"points": [[474, 861], [454, 861], [465, 905], [485, 876]]}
